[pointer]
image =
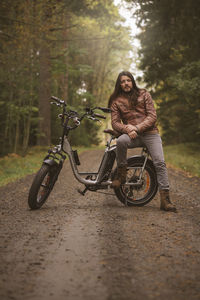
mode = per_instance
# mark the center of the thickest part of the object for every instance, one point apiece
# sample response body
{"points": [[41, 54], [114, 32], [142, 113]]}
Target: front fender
{"points": [[50, 162]]}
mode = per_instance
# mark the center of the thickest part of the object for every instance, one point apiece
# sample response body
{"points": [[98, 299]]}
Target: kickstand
{"points": [[82, 192]]}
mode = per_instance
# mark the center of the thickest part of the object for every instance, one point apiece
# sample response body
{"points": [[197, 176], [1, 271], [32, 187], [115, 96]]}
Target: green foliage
{"points": [[170, 59], [70, 49], [14, 166], [85, 135], [184, 156], [187, 82]]}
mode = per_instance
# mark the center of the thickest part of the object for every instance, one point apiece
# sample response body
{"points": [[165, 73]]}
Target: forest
{"points": [[75, 50], [170, 60]]}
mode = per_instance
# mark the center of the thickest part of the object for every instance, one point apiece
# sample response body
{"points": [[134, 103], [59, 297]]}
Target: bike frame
{"points": [[110, 150], [78, 175], [99, 175]]}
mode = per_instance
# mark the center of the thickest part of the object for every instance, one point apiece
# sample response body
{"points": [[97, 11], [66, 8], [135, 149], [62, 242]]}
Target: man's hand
{"points": [[130, 128], [132, 134]]}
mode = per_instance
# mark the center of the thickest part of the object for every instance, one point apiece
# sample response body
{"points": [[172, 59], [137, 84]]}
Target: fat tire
{"points": [[37, 183], [138, 162]]}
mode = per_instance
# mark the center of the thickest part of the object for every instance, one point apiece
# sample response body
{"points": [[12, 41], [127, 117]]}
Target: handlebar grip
{"points": [[99, 116], [105, 109]]}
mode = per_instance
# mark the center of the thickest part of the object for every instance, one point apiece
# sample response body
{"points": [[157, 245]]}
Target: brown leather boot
{"points": [[165, 203], [120, 178]]}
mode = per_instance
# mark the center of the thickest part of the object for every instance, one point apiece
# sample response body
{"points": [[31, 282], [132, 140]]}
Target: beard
{"points": [[132, 96], [128, 93]]}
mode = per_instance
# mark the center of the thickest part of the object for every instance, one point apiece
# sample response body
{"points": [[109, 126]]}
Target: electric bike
{"points": [[141, 182]]}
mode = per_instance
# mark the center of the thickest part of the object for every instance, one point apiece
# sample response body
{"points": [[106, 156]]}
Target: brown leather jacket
{"points": [[143, 115]]}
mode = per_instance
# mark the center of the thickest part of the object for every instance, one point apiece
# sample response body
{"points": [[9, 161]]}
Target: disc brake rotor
{"points": [[139, 191]]}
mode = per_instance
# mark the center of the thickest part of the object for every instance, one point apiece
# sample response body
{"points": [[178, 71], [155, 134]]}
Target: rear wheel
{"points": [[42, 185], [144, 192]]}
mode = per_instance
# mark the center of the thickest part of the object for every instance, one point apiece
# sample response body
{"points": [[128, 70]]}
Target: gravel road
{"points": [[93, 247]]}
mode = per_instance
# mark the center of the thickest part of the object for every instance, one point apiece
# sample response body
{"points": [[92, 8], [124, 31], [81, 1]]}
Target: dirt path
{"points": [[93, 247]]}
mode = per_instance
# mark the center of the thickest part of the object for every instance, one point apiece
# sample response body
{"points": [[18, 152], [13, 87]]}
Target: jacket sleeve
{"points": [[116, 119], [150, 112]]}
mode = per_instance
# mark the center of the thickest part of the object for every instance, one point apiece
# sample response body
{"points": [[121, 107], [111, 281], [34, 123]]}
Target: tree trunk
{"points": [[27, 125], [16, 136], [44, 136], [66, 25]]}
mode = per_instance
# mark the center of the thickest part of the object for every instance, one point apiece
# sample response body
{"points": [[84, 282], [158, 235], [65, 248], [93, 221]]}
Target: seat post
{"points": [[109, 141]]}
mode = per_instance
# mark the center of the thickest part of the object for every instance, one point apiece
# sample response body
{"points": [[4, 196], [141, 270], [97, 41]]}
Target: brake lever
{"points": [[59, 101], [91, 118], [57, 104], [94, 119]]}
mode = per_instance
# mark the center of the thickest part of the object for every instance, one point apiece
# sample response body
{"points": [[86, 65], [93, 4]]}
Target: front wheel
{"points": [[42, 185], [142, 193]]}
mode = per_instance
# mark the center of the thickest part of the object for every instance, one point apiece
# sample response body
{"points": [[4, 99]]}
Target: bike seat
{"points": [[112, 132]]}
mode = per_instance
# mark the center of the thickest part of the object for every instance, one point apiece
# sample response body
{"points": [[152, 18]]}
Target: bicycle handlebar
{"points": [[74, 115], [58, 100], [104, 109], [98, 116]]}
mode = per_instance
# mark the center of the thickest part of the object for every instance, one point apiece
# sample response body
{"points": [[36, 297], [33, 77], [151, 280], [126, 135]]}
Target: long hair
{"points": [[133, 95]]}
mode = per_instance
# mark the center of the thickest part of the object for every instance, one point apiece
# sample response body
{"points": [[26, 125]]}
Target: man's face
{"points": [[126, 83]]}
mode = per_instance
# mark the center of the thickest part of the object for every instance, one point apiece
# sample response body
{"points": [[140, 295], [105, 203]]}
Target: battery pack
{"points": [[76, 158]]}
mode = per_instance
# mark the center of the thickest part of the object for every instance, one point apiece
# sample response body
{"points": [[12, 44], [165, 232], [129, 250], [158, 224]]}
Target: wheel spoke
{"points": [[137, 193], [145, 183]]}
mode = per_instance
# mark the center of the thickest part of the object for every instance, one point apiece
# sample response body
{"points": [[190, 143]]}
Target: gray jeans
{"points": [[153, 143]]}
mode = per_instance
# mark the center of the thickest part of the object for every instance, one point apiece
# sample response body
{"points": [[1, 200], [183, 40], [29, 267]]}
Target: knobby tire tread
{"points": [[153, 187], [33, 193]]}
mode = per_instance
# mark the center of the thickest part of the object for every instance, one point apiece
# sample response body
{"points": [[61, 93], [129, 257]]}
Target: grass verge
{"points": [[185, 157], [14, 166]]}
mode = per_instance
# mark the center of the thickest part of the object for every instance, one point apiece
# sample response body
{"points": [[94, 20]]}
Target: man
{"points": [[134, 117]]}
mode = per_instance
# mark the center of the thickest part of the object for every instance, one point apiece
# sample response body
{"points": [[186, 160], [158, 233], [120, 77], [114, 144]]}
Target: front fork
{"points": [[55, 160], [54, 157]]}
